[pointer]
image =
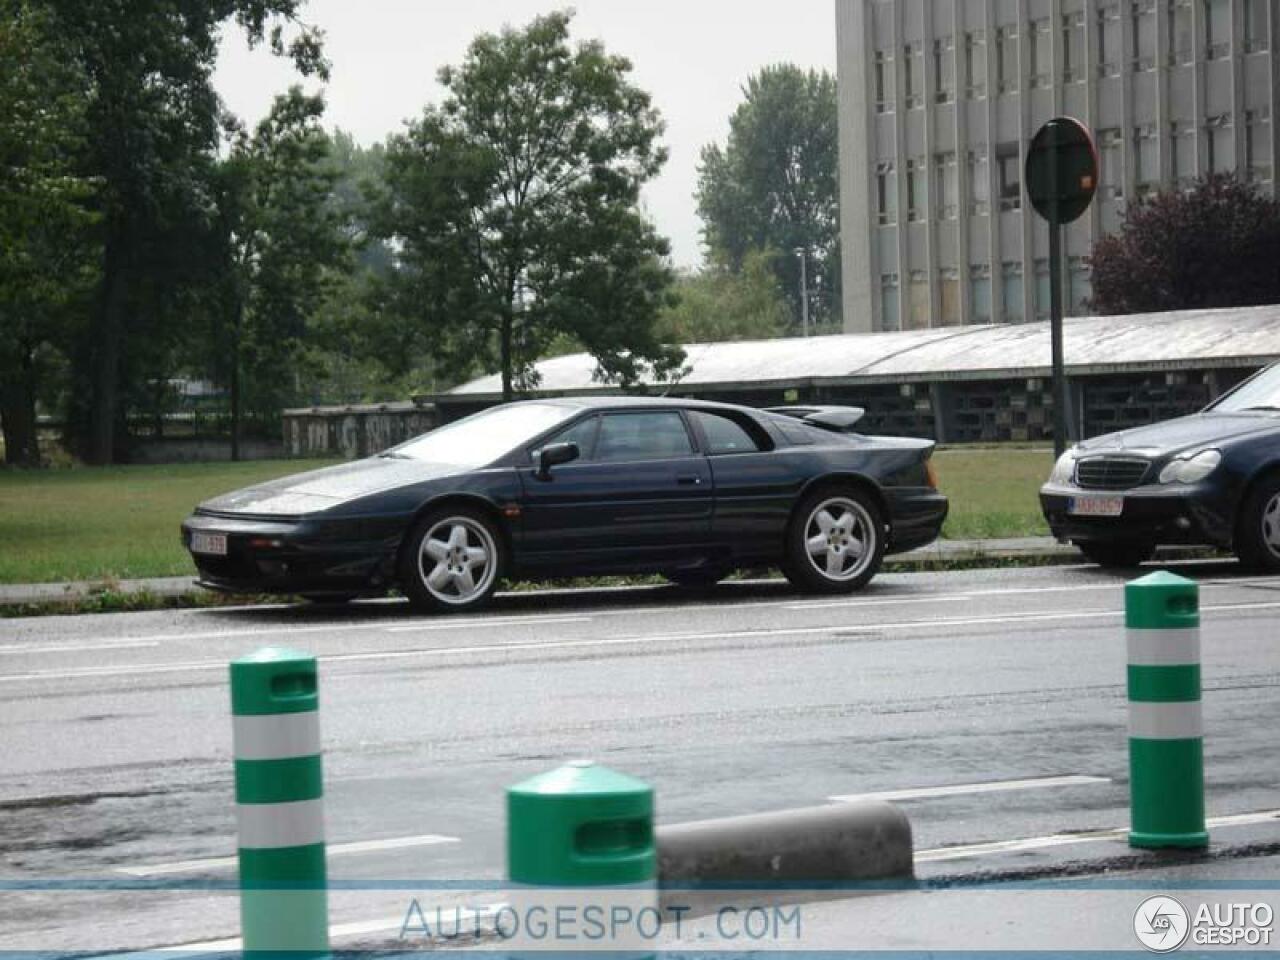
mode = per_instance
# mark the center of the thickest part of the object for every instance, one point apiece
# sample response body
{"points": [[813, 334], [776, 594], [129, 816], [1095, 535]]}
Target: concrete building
{"points": [[940, 98]]}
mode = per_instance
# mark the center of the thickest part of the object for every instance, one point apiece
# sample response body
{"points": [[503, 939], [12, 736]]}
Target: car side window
{"points": [[583, 433], [723, 434], [642, 436]]}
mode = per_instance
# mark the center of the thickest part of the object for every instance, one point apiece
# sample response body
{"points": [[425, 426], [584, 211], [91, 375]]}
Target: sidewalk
{"points": [[20, 593]]}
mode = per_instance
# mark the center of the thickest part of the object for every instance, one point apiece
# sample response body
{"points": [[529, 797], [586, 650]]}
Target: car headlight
{"points": [[1064, 471], [1191, 469]]}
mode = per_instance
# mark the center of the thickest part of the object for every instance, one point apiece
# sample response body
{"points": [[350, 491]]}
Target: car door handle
{"points": [[689, 480]]}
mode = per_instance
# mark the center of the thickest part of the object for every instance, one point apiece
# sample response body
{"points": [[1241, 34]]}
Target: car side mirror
{"points": [[553, 455]]}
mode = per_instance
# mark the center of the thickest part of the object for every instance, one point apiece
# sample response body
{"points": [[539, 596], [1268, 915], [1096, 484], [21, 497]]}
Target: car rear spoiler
{"points": [[835, 419]]}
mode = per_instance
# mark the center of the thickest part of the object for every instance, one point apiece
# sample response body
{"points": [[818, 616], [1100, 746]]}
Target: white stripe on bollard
{"points": [[1166, 721], [1164, 648], [276, 736], [274, 826]]}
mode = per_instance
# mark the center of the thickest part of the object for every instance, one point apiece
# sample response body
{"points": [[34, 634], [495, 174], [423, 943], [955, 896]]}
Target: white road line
{"points": [[1068, 839], [606, 642], [333, 850], [966, 789], [485, 622], [77, 647]]}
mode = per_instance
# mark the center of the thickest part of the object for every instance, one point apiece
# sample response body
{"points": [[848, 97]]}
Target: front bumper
{"points": [[288, 556], [916, 516], [1172, 514]]}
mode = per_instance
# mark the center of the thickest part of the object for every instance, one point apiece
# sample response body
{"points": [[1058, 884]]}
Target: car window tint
{"points": [[642, 436], [583, 433], [724, 435]]}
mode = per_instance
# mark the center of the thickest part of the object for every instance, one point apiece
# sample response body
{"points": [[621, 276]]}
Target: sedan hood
{"points": [[319, 490], [1181, 435]]}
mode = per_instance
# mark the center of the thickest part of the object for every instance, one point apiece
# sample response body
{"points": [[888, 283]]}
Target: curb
{"points": [[867, 840]]}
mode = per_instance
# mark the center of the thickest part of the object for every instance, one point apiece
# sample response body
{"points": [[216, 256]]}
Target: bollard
{"points": [[1166, 745], [280, 803], [582, 826]]}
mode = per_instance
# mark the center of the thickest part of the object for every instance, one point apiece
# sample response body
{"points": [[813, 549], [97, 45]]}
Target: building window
{"points": [[1007, 59], [1010, 171], [1072, 47], [1143, 36], [980, 293], [1257, 32], [911, 76], [944, 70], [1219, 144], [1108, 41], [1182, 153], [884, 81], [1180, 45], [949, 296], [915, 189], [1041, 53], [1079, 286], [1043, 290], [1257, 145], [1110, 145], [948, 187], [886, 194], [1146, 147], [1217, 29], [1011, 291], [920, 309], [975, 65], [979, 183], [889, 319]]}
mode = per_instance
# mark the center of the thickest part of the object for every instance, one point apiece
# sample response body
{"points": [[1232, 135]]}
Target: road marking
{"points": [[77, 647], [966, 789], [1068, 839], [334, 850], [605, 642], [486, 622]]}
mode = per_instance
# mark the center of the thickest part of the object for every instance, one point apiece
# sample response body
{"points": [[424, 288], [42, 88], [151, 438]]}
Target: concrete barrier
{"points": [[867, 840]]}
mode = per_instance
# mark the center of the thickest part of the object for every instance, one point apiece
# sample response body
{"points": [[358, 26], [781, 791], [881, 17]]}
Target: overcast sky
{"points": [[692, 55]]}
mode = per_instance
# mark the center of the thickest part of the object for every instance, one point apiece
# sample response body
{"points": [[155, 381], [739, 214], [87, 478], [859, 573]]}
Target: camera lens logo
{"points": [[1162, 924]]}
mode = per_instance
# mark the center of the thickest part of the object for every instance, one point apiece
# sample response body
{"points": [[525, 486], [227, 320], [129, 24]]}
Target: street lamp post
{"points": [[803, 254]]}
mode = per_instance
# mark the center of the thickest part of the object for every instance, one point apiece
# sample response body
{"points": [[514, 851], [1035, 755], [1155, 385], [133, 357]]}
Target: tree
{"points": [[774, 185], [1215, 245], [45, 222], [155, 120], [278, 232], [717, 304], [514, 210]]}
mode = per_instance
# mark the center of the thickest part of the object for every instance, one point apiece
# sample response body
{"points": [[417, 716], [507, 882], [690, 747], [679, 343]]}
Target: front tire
{"points": [[835, 543], [452, 561], [1116, 555], [1257, 540]]}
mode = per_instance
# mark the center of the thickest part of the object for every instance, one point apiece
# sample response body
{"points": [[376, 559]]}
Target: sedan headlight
{"points": [[1191, 469], [1064, 471]]}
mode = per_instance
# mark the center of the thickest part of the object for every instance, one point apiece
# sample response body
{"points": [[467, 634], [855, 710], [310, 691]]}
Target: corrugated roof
{"points": [[1163, 341]]}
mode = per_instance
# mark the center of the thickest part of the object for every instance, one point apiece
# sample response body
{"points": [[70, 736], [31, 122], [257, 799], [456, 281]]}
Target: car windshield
{"points": [[482, 438], [1259, 395]]}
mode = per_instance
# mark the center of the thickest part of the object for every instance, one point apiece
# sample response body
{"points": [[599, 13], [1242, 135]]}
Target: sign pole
{"points": [[1055, 314]]}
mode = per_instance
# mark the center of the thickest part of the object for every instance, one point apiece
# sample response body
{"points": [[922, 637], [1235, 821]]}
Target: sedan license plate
{"points": [[213, 544], [1096, 507]]}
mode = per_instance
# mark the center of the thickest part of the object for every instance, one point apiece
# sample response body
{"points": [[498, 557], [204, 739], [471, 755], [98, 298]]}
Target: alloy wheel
{"points": [[840, 539], [457, 561], [1271, 526]]}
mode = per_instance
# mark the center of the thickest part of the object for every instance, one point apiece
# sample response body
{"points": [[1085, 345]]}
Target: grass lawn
{"points": [[122, 522], [111, 522], [993, 491]]}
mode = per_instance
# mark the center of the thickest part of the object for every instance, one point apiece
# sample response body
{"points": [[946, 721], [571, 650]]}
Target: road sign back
{"points": [[1062, 166]]}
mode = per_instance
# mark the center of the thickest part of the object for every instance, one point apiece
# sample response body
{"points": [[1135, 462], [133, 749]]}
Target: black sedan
{"points": [[554, 488], [1211, 479]]}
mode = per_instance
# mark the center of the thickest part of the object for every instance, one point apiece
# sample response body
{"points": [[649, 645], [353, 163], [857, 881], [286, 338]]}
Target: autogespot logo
{"points": [[1162, 924]]}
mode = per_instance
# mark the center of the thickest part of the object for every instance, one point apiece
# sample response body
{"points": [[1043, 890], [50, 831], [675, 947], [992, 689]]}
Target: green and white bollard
{"points": [[280, 804], [1166, 730]]}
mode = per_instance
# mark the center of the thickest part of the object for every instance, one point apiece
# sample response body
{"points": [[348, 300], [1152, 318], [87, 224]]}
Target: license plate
{"points": [[213, 544], [1097, 507]]}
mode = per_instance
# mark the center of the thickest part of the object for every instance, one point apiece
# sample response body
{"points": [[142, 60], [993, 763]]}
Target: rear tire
{"points": [[1116, 555], [452, 561], [1257, 539], [835, 542]]}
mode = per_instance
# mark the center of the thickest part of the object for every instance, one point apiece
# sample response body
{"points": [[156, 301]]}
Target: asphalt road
{"points": [[115, 735]]}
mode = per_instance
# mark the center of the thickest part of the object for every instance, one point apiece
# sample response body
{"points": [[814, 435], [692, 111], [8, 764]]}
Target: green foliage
{"points": [[513, 208], [1215, 245], [717, 304], [774, 186]]}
